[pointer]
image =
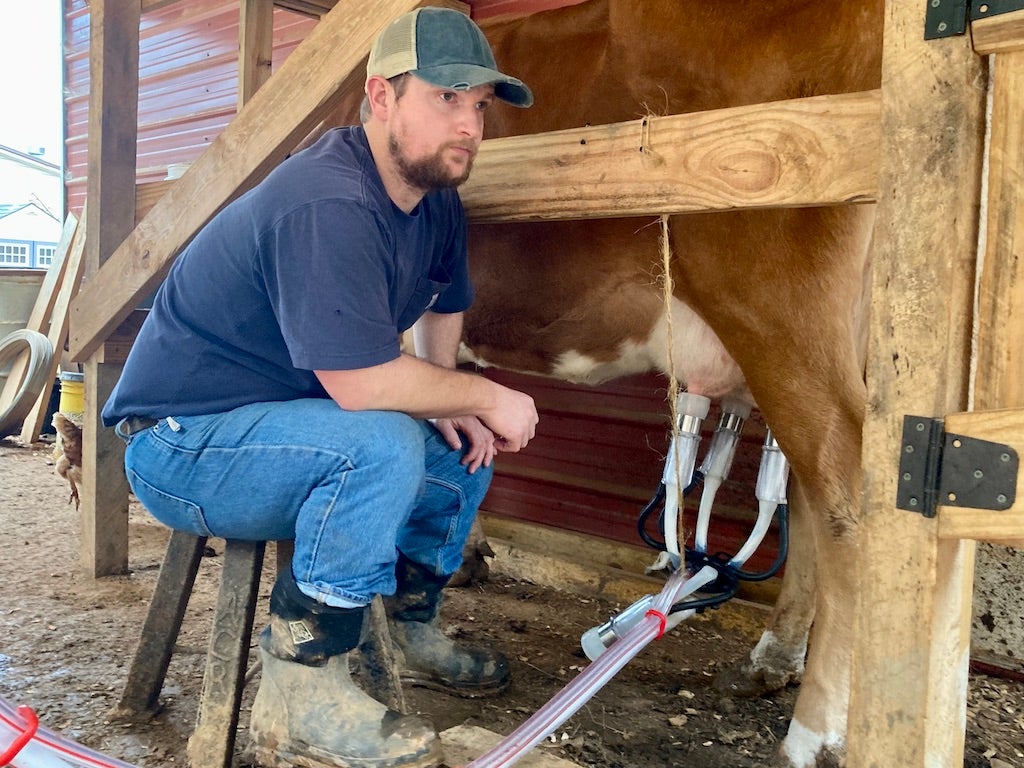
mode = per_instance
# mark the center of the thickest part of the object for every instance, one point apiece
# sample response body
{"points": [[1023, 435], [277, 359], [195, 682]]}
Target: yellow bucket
{"points": [[72, 394]]}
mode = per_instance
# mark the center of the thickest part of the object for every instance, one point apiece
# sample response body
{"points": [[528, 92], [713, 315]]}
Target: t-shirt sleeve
{"points": [[328, 267]]}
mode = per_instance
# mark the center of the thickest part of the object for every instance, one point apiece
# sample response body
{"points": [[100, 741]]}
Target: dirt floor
{"points": [[66, 641]]}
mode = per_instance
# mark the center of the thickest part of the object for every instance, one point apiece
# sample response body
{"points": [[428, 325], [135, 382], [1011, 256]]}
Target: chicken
{"points": [[69, 453]]}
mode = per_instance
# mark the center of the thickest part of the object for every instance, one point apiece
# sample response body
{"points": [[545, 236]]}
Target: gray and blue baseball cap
{"points": [[445, 48]]}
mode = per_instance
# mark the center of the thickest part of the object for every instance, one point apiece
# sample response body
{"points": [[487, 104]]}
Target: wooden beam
{"points": [[317, 8], [154, 5], [912, 616], [112, 130], [597, 172], [57, 331], [39, 318], [282, 112], [117, 346], [148, 195], [999, 34], [815, 151], [314, 8], [1005, 427], [1000, 364], [999, 355], [255, 47]]}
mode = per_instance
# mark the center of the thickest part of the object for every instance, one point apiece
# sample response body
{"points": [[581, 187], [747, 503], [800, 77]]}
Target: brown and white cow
{"points": [[768, 304]]}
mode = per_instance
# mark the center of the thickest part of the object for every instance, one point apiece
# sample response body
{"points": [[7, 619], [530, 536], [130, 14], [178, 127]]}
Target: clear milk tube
{"points": [[579, 691]]}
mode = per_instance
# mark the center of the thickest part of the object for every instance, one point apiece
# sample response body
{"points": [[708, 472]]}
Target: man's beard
{"points": [[427, 174]]}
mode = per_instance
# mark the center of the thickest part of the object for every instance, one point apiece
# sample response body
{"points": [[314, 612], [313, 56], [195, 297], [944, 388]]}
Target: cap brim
{"points": [[461, 77]]}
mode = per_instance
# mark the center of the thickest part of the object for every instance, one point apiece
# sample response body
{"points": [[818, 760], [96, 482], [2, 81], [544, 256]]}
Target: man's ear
{"points": [[380, 95]]}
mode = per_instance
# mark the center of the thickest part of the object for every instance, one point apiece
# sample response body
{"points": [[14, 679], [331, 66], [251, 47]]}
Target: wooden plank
{"points": [[255, 47], [117, 346], [104, 522], [113, 127], [113, 131], [1004, 426], [815, 151], [999, 34], [912, 617], [148, 195], [42, 309], [1000, 364], [155, 5], [313, 8], [57, 332], [281, 113]]}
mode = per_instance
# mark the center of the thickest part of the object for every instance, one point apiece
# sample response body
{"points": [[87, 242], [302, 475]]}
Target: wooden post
{"points": [[910, 653], [999, 375], [113, 131], [255, 47], [1000, 369]]}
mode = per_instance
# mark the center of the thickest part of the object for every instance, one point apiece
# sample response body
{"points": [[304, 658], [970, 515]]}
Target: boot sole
{"points": [[462, 692], [284, 758]]}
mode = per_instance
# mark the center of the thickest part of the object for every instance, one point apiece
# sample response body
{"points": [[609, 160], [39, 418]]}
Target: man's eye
{"points": [[448, 96]]}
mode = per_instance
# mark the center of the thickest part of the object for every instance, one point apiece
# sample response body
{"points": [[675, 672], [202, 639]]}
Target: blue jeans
{"points": [[351, 488]]}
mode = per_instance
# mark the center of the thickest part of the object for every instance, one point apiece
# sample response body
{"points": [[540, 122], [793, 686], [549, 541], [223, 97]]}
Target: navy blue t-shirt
{"points": [[313, 269]]}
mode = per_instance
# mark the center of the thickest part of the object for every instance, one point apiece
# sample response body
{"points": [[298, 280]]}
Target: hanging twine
{"points": [[673, 381]]}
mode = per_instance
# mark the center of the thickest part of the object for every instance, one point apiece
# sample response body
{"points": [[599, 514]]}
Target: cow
{"points": [[768, 305]]}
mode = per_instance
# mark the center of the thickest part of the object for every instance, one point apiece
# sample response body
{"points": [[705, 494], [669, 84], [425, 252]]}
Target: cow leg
{"points": [[817, 731], [799, 342], [778, 658]]}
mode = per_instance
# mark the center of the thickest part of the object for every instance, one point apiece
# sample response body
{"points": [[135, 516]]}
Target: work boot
{"points": [[308, 712], [431, 658]]}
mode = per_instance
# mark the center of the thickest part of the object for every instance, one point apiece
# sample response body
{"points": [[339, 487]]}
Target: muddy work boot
{"points": [[308, 712], [431, 658]]}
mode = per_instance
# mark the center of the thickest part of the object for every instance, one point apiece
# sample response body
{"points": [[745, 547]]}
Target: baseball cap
{"points": [[445, 48]]}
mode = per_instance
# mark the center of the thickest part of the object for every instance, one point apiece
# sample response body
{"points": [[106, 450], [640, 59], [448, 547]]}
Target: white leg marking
{"points": [[802, 745]]}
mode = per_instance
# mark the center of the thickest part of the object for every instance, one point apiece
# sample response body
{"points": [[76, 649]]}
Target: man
{"points": [[267, 397]]}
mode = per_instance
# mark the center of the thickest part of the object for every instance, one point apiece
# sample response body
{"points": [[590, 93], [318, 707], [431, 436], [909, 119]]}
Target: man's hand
{"points": [[481, 448], [513, 419]]}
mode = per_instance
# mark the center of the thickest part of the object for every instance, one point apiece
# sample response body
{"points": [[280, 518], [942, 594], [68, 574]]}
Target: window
{"points": [[13, 255], [44, 255]]}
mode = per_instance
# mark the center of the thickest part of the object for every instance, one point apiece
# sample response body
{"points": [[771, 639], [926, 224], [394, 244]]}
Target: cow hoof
{"points": [[826, 759], [746, 682]]}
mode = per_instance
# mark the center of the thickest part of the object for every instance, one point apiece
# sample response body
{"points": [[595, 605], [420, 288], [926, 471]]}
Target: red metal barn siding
{"points": [[188, 82], [598, 456]]}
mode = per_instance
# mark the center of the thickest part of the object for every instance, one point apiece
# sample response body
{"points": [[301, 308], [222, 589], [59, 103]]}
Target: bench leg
{"points": [[213, 741], [140, 700]]}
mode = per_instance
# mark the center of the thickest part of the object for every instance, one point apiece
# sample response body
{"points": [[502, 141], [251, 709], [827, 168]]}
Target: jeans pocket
{"points": [[173, 511]]}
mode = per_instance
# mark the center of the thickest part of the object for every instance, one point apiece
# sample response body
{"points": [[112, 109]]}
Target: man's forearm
{"points": [[437, 336], [408, 384]]}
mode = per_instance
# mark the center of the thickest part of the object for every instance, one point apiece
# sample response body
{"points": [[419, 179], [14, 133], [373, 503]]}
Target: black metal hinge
{"points": [[945, 18], [943, 469]]}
